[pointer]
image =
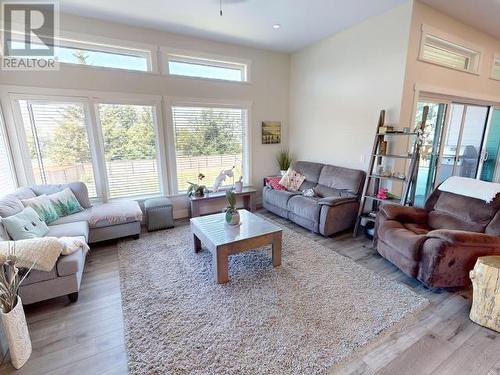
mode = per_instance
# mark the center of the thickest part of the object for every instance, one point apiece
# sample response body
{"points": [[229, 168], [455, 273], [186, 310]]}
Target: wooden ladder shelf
{"points": [[373, 177]]}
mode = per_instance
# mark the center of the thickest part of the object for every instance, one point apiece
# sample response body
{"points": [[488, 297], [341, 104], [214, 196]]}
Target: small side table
{"points": [[219, 199], [159, 213], [485, 278]]}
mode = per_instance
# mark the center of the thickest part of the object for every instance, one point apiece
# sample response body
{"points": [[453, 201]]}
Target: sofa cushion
{"points": [[78, 188], [114, 213], [10, 205], [306, 207], [309, 169], [36, 276], [74, 229], [278, 198], [341, 178], [474, 214], [70, 264], [79, 216], [401, 239]]}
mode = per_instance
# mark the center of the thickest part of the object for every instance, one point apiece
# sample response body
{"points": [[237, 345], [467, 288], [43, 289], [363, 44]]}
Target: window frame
{"points": [[205, 59], [456, 45], [496, 64], [90, 100], [199, 102], [5, 137]]}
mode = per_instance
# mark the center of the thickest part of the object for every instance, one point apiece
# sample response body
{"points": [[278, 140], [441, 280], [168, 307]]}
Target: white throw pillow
{"points": [[292, 180]]}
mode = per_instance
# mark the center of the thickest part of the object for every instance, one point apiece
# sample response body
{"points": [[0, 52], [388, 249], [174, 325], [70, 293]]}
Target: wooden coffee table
{"points": [[224, 240]]}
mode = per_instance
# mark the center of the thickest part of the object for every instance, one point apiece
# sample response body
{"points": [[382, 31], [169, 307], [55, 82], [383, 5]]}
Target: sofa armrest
{"points": [[465, 238], [335, 201], [404, 214]]}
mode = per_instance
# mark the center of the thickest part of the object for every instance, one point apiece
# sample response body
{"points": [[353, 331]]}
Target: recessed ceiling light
{"points": [[276, 26]]}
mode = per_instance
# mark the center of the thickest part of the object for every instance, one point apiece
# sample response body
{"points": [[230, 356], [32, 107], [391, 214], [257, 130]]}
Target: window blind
{"points": [[58, 143], [208, 140], [7, 182], [130, 149]]}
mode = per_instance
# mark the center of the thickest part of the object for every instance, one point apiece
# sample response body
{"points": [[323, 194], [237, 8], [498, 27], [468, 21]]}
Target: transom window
{"points": [[209, 140], [94, 54], [451, 54], [206, 68], [495, 72]]}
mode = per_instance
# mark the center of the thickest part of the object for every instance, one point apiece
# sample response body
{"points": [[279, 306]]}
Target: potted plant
{"points": [[232, 214], [11, 310], [197, 190], [284, 160]]}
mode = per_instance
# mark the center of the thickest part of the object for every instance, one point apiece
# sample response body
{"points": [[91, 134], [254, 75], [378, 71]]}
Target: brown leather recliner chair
{"points": [[439, 244]]}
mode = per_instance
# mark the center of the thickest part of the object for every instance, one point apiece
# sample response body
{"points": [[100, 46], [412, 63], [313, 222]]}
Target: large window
{"points": [[130, 149], [191, 66], [449, 52], [208, 140], [7, 182], [57, 142]]}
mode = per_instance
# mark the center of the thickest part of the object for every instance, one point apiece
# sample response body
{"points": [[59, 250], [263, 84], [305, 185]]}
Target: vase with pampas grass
{"points": [[11, 308]]}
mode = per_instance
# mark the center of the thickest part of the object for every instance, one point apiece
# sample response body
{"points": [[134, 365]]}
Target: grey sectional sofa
{"points": [[334, 206], [96, 223]]}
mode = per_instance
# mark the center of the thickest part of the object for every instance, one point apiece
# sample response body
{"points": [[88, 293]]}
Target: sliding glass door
{"points": [[490, 170], [457, 142], [463, 142]]}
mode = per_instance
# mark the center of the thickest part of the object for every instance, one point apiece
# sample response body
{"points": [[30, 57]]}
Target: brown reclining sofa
{"points": [[439, 244]]}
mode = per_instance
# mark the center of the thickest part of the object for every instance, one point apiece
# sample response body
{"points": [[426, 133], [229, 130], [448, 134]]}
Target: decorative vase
{"points": [[18, 337], [238, 187], [282, 173], [232, 217]]}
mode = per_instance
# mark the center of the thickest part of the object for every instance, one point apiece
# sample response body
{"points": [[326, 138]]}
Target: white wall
{"points": [[268, 90], [339, 85]]}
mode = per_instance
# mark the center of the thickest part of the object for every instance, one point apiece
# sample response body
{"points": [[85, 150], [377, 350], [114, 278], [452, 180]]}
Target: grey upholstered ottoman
{"points": [[159, 213]]}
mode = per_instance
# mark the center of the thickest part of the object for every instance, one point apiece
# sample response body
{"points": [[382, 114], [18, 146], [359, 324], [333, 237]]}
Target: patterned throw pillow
{"points": [[43, 207], [65, 202], [274, 183], [292, 180]]}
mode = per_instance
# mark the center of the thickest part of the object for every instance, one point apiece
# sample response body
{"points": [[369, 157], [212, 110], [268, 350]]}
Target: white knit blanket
{"points": [[469, 187], [42, 253]]}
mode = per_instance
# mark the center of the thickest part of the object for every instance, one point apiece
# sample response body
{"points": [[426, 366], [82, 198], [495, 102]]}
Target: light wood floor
{"points": [[87, 337]]}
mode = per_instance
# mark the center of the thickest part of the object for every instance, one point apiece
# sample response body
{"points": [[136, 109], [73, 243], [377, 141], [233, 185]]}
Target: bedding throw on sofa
{"points": [[42, 253]]}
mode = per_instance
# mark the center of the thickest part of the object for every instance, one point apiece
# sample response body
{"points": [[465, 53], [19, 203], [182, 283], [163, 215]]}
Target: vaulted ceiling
{"points": [[246, 22]]}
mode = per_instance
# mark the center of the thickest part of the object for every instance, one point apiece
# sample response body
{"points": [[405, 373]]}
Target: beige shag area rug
{"points": [[301, 318]]}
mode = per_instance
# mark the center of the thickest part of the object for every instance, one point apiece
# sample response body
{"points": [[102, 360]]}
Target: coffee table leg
{"points": [[277, 250], [220, 262], [196, 243]]}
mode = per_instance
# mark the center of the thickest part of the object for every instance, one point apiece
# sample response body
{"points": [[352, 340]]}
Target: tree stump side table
{"points": [[485, 278]]}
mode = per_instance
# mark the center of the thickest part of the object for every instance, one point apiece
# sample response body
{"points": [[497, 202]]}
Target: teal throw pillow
{"points": [[25, 225]]}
